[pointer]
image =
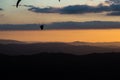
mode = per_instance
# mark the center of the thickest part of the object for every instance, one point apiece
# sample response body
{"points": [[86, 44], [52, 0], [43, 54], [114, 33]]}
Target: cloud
{"points": [[41, 10], [116, 13], [64, 25], [76, 9], [85, 25], [115, 10], [1, 9], [112, 1], [44, 10], [115, 7]]}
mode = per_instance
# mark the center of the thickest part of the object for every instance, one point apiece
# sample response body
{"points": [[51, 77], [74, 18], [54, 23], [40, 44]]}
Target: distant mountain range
{"points": [[12, 47], [82, 57]]}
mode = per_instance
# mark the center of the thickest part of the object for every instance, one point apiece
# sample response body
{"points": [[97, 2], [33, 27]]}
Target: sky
{"points": [[67, 14], [50, 11]]}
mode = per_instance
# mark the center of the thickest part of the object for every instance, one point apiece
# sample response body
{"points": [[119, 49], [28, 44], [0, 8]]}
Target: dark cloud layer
{"points": [[1, 9], [112, 1], [41, 10], [64, 25], [77, 9], [85, 25], [115, 13], [44, 10]]}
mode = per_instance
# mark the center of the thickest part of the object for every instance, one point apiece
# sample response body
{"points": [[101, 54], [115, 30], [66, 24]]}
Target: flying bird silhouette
{"points": [[41, 27], [17, 4]]}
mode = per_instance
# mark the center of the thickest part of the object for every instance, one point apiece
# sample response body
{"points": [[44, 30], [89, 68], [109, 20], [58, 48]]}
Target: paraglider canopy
{"points": [[17, 4]]}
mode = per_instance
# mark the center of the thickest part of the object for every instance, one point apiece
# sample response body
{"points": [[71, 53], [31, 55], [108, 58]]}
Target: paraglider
{"points": [[41, 27], [17, 4]]}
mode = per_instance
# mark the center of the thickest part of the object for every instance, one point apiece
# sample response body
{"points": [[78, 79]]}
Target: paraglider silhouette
{"points": [[17, 4], [41, 27]]}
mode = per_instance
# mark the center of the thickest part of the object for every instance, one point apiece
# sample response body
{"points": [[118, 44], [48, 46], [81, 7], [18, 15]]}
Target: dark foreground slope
{"points": [[52, 65], [63, 62]]}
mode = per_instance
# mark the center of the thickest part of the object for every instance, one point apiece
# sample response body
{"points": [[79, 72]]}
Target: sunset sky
{"points": [[67, 14]]}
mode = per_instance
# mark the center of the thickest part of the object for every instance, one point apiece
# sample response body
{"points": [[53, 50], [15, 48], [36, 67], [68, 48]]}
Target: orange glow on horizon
{"points": [[108, 35]]}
